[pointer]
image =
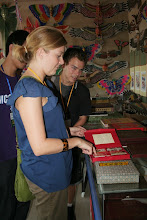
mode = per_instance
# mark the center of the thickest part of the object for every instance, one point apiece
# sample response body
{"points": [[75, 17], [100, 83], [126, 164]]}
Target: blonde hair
{"points": [[45, 37]]}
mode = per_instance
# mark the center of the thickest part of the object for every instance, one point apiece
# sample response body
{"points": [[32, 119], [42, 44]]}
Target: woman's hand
{"points": [[85, 146], [77, 131]]}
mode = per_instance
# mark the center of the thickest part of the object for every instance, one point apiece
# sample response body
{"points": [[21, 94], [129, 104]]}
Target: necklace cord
{"points": [[43, 83], [62, 96]]}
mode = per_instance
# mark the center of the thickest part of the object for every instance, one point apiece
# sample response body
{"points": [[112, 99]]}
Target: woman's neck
{"points": [[35, 72]]}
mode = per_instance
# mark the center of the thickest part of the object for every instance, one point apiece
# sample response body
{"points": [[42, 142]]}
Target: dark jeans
{"points": [[10, 208]]}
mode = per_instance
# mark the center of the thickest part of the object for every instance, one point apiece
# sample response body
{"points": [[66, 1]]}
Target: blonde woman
{"points": [[42, 135]]}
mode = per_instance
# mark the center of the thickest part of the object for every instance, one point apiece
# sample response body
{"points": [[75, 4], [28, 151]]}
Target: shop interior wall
{"points": [[77, 20]]}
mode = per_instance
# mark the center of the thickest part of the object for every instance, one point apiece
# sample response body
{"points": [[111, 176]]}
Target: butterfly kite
{"points": [[43, 13], [114, 87], [90, 50]]}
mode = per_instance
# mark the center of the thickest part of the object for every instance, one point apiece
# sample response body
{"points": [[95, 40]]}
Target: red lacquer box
{"points": [[107, 145]]}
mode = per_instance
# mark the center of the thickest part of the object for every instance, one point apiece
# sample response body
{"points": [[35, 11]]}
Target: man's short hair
{"points": [[17, 37], [74, 52]]}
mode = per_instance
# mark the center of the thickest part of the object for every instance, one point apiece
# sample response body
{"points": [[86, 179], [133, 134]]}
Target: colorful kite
{"points": [[114, 87], [43, 13]]}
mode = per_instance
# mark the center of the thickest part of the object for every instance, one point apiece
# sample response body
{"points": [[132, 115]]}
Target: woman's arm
{"points": [[30, 110]]}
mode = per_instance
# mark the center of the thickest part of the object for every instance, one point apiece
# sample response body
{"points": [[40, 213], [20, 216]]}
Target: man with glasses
{"points": [[75, 100]]}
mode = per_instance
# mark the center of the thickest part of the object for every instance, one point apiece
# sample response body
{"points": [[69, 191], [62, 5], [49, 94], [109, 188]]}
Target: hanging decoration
{"points": [[121, 44], [90, 50], [43, 13], [114, 87], [107, 31], [29, 26], [8, 21], [18, 15], [107, 11]]}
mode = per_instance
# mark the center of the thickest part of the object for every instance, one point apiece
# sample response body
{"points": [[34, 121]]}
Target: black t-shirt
{"points": [[80, 103]]}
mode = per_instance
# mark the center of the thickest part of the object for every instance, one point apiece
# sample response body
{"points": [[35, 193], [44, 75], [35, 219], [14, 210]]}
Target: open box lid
{"points": [[103, 138]]}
